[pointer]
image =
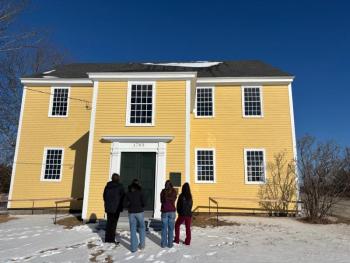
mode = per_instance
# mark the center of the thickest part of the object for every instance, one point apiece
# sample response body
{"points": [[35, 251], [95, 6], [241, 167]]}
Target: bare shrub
{"points": [[280, 188], [324, 176]]}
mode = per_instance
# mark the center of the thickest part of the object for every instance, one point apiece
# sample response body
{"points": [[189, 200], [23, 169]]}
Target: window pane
{"points": [[252, 102], [53, 164], [204, 102], [141, 104], [60, 102], [255, 166], [205, 165]]}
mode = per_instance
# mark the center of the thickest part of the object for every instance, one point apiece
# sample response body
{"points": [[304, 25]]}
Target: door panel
{"points": [[141, 166]]}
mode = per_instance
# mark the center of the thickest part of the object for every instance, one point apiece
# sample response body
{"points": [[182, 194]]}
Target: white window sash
{"points": [[261, 102], [214, 166], [128, 103]]}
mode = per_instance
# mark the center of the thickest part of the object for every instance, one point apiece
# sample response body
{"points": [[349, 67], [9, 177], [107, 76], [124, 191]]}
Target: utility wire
{"points": [[41, 164], [49, 93]]}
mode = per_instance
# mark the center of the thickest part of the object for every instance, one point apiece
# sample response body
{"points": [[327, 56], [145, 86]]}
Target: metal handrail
{"points": [[33, 200], [64, 201], [214, 200]]}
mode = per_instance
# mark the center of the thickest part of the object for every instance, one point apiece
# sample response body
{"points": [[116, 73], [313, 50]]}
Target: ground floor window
{"points": [[254, 165], [52, 165], [205, 165]]}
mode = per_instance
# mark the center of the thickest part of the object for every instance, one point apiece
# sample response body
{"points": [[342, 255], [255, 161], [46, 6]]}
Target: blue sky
{"points": [[310, 39]]}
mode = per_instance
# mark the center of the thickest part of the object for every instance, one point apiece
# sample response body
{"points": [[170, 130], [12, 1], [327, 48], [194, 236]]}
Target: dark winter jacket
{"points": [[183, 206], [113, 197], [134, 199], [168, 200]]}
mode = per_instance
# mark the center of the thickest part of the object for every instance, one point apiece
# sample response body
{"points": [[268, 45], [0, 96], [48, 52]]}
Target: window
{"points": [[255, 166], [205, 102], [141, 104], [59, 102], [52, 165], [205, 165], [252, 102]]}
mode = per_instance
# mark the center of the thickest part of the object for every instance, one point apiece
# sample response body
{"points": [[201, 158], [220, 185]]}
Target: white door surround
{"points": [[155, 144]]}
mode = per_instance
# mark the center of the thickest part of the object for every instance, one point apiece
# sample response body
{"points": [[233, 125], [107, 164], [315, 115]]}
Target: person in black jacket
{"points": [[135, 203], [184, 210], [113, 195]]}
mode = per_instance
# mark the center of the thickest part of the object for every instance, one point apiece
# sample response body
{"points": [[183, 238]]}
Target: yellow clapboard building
{"points": [[215, 125]]}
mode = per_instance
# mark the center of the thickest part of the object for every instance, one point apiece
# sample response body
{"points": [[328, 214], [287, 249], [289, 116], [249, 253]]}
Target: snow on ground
{"points": [[256, 239]]}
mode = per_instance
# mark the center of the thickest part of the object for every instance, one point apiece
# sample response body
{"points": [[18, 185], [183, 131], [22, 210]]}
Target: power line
{"points": [[72, 98], [41, 164]]}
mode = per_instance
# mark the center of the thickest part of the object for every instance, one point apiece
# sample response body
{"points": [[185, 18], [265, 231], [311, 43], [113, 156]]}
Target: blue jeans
{"points": [[168, 223], [137, 222]]}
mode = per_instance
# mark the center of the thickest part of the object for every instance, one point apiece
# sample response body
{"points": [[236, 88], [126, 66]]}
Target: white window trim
{"points": [[42, 177], [213, 101], [128, 103], [196, 164], [245, 165], [51, 102], [261, 101]]}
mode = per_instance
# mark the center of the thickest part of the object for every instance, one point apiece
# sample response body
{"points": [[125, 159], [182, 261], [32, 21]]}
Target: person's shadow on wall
{"points": [[78, 181]]}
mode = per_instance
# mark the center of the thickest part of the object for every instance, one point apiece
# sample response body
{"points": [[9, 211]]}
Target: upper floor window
{"points": [[205, 165], [141, 104], [205, 102], [252, 101], [59, 102], [254, 166], [52, 165]]}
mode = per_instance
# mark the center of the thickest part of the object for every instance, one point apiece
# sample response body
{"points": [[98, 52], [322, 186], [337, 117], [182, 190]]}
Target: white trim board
{"points": [[57, 81], [294, 143], [138, 139], [245, 80], [159, 148], [19, 131], [141, 75], [188, 133], [90, 151]]}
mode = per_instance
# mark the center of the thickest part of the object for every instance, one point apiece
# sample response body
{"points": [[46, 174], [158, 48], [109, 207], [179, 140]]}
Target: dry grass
{"points": [[326, 221], [204, 220], [69, 222], [6, 218]]}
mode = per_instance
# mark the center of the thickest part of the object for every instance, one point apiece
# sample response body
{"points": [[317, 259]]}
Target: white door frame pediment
{"points": [[141, 144]]}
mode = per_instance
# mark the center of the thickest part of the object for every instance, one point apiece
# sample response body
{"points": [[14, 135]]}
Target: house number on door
{"points": [[137, 145]]}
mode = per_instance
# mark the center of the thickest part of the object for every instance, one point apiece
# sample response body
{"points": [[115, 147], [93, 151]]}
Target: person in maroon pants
{"points": [[184, 210]]}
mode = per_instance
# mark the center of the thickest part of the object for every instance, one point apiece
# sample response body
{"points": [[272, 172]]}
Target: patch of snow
{"points": [[49, 71], [195, 64], [256, 239]]}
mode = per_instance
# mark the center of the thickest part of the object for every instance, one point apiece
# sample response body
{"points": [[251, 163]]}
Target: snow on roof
{"points": [[195, 64], [48, 72]]}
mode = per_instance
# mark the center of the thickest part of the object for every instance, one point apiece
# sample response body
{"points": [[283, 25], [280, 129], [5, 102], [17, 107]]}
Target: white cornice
{"points": [[53, 81], [138, 139], [245, 80], [109, 76]]}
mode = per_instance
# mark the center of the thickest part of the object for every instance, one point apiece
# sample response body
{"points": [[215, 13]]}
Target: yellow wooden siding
{"points": [[40, 131], [111, 120], [229, 133]]}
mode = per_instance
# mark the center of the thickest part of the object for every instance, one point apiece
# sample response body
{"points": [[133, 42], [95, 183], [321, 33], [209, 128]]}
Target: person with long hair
{"points": [[184, 210], [168, 198]]}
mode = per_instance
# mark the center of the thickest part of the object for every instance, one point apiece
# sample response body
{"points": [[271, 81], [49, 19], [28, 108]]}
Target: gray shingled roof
{"points": [[249, 68]]}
